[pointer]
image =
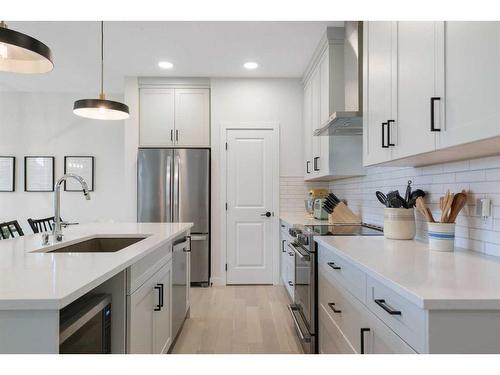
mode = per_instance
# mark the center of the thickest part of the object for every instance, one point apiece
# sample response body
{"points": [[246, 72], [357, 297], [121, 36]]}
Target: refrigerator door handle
{"points": [[176, 190], [199, 237], [168, 190]]}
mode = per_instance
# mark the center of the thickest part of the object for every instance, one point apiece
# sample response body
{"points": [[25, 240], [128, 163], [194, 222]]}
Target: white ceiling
{"points": [[197, 49]]}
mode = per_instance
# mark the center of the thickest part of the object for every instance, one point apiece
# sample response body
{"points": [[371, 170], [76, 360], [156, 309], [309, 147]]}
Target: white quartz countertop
{"points": [[302, 219], [33, 280], [432, 280]]}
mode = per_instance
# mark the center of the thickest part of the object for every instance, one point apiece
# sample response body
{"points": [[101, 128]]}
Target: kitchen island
{"points": [[36, 282]]}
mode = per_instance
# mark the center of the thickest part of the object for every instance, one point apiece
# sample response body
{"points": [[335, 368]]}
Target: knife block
{"points": [[343, 215]]}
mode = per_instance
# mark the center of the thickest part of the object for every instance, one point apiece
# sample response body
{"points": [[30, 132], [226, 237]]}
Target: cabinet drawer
{"points": [[139, 272], [402, 316], [347, 275], [331, 339], [343, 308], [380, 339]]}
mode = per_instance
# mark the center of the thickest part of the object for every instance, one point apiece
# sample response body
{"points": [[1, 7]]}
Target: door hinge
{"points": [[226, 267], [226, 145]]}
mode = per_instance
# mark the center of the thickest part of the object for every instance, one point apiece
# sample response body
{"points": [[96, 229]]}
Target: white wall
{"points": [[252, 100], [44, 124]]}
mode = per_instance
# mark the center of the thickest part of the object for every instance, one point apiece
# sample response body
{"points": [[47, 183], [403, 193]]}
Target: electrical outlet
{"points": [[483, 207]]}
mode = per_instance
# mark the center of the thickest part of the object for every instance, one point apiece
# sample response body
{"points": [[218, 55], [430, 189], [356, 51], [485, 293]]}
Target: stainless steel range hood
{"points": [[350, 120]]}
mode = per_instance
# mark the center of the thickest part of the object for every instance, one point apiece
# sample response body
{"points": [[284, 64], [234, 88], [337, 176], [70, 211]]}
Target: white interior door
{"points": [[249, 185]]}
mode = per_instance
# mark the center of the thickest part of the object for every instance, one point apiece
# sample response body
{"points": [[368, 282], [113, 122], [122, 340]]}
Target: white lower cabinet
{"points": [[348, 326], [149, 303], [149, 310], [287, 262]]}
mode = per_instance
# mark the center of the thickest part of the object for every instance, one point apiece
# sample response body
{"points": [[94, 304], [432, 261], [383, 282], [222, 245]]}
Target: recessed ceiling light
{"points": [[251, 65], [165, 65]]}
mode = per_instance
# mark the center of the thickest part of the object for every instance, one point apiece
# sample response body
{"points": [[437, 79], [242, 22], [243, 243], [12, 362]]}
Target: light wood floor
{"points": [[238, 319]]}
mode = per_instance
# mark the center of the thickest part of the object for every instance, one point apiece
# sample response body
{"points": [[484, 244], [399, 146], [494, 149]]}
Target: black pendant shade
{"points": [[101, 109], [20, 53]]}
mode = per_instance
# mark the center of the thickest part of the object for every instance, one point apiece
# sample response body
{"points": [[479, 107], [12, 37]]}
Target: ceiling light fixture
{"points": [[101, 109], [20, 53], [165, 65], [251, 65]]}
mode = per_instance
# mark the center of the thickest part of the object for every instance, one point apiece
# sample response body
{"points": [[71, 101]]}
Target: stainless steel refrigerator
{"points": [[173, 185]]}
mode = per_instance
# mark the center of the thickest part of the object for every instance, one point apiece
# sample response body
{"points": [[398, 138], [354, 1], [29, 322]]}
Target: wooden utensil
{"points": [[459, 202], [424, 210], [447, 202]]}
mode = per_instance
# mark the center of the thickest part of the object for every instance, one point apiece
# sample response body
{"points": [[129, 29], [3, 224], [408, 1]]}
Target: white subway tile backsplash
{"points": [[293, 192], [480, 177], [470, 176]]}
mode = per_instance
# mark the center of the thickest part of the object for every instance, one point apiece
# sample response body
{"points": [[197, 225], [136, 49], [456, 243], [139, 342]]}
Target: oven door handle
{"points": [[297, 325], [299, 253]]}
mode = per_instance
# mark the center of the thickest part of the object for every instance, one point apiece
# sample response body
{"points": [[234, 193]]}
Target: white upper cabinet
{"points": [[404, 89], [192, 117], [444, 92], [307, 123], [174, 117], [472, 61], [377, 90], [418, 66], [315, 122], [156, 116]]}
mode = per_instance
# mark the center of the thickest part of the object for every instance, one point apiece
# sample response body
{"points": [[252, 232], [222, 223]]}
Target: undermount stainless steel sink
{"points": [[99, 245]]}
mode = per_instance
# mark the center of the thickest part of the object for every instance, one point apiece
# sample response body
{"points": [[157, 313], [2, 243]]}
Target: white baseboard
{"points": [[217, 281]]}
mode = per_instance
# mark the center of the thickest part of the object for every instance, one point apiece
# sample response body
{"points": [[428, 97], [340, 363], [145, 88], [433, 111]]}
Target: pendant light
{"points": [[101, 109], [20, 53]]}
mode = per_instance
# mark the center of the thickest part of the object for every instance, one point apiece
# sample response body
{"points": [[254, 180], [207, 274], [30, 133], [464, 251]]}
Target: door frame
{"points": [[274, 126]]}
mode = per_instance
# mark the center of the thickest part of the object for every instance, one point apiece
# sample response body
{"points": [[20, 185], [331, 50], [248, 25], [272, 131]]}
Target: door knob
{"points": [[267, 214]]}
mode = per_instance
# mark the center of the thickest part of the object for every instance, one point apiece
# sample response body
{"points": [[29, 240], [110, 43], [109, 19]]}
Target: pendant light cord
{"points": [[102, 59]]}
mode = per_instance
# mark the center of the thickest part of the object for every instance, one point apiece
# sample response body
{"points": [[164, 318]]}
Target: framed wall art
{"points": [[39, 173], [82, 166], [7, 173]]}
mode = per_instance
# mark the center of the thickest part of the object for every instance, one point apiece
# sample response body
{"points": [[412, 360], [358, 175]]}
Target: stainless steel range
{"points": [[304, 309]]}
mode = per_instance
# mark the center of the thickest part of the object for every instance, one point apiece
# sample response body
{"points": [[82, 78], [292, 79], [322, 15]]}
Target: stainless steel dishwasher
{"points": [[180, 282]]}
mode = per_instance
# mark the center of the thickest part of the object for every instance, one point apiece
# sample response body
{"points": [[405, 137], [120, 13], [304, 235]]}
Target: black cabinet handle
{"points": [[386, 307], [307, 166], [283, 246], [161, 294], [171, 135], [290, 283], [332, 306], [176, 135], [316, 163], [362, 331], [383, 135], [159, 288], [433, 99], [389, 133], [334, 266]]}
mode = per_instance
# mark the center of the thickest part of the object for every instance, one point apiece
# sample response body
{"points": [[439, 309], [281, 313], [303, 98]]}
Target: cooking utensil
{"points": [[381, 198], [407, 194], [395, 200], [413, 197], [459, 202], [447, 202], [424, 210]]}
